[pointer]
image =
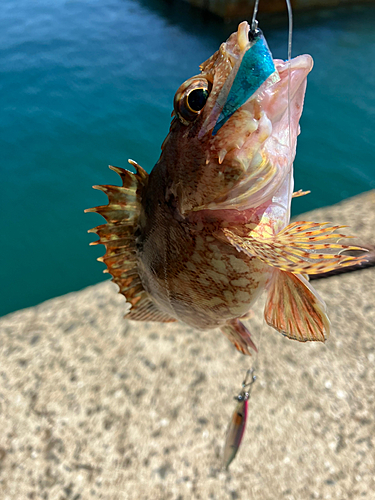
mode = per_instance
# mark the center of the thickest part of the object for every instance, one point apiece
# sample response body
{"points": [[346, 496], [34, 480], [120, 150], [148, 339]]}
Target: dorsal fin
{"points": [[118, 235]]}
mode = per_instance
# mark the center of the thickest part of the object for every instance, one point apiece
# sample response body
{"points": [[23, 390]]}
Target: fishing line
{"points": [[290, 34], [256, 361], [254, 22]]}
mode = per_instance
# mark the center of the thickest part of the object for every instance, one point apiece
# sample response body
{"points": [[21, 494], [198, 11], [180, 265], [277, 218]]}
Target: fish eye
{"points": [[191, 98], [196, 99]]}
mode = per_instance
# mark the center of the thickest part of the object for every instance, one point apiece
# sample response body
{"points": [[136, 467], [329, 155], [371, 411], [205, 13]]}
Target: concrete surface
{"points": [[93, 406]]}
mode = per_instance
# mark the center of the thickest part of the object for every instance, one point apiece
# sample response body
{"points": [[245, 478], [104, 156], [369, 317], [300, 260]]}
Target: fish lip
{"points": [[236, 48], [293, 74], [304, 61]]}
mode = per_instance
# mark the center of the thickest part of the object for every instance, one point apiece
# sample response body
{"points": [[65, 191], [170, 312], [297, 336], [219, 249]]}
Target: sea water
{"points": [[89, 83]]}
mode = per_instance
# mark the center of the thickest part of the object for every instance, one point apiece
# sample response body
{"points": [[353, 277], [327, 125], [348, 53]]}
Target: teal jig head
{"points": [[255, 68]]}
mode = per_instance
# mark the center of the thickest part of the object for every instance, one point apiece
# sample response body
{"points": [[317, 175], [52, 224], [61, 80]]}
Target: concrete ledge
{"points": [[93, 406]]}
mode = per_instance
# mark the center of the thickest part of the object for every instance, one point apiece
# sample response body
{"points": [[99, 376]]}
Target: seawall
{"points": [[94, 406]]}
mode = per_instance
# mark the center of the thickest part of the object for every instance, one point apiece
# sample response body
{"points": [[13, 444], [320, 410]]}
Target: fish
{"points": [[202, 236]]}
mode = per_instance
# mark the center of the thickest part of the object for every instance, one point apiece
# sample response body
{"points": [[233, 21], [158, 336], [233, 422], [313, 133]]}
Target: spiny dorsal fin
{"points": [[118, 236], [122, 213]]}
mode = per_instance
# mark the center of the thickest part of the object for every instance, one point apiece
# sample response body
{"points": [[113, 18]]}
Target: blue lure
{"points": [[256, 66]]}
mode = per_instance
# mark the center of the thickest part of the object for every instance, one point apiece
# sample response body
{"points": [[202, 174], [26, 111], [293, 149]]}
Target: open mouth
{"points": [[253, 73], [255, 121], [253, 70]]}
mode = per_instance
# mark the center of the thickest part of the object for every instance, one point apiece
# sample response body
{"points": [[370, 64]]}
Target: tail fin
{"points": [[118, 236]]}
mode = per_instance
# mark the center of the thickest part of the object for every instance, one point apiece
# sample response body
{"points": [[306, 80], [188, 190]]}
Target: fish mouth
{"points": [[259, 139], [244, 64], [286, 73], [279, 74]]}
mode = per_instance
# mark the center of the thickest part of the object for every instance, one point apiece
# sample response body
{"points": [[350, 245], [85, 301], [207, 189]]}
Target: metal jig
{"points": [[237, 424]]}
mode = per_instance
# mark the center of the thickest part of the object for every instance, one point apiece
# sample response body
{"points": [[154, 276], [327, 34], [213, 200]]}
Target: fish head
{"points": [[233, 137]]}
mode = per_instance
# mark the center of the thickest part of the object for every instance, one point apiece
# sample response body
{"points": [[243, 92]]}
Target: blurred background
{"points": [[87, 83]]}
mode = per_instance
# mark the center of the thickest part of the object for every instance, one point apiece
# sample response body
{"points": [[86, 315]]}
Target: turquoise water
{"points": [[88, 83]]}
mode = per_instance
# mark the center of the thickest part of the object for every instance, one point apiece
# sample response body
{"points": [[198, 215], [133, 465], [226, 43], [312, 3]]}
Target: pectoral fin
{"points": [[295, 309], [239, 335], [300, 248]]}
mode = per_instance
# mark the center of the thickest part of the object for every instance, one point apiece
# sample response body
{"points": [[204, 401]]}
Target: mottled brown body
{"points": [[190, 272]]}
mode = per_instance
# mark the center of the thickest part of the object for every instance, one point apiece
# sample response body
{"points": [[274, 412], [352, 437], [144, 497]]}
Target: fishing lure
{"points": [[253, 69], [237, 424]]}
